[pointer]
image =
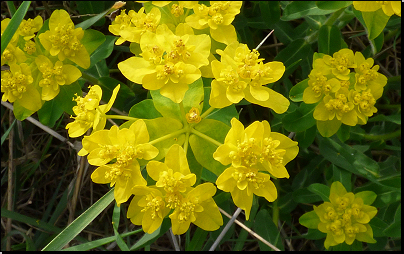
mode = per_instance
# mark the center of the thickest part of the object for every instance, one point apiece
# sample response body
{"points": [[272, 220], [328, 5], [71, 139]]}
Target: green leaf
{"points": [[296, 93], [329, 40], [310, 220], [125, 94], [305, 196], [204, 149], [13, 25], [328, 128], [167, 108], [394, 229], [265, 227], [343, 132], [49, 113], [301, 119], [306, 138], [104, 50], [88, 9], [99, 242], [92, 39], [73, 229], [390, 118], [342, 176], [144, 110], [198, 239], [368, 197], [300, 9], [5, 135], [378, 226], [116, 215], [223, 114], [320, 189], [332, 5], [194, 166], [297, 50], [270, 12], [29, 244], [375, 22], [349, 159], [160, 127], [151, 238], [20, 112]]}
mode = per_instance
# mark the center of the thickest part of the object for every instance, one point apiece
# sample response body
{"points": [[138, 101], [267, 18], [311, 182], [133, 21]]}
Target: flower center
{"points": [[154, 206]]}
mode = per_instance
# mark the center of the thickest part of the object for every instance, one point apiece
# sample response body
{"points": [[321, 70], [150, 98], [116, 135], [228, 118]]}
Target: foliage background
{"points": [[50, 189]]}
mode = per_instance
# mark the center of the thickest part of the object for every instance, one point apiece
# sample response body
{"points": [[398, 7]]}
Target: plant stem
{"points": [[206, 137], [171, 135], [129, 118], [275, 208], [184, 119], [89, 78], [380, 137], [207, 112]]}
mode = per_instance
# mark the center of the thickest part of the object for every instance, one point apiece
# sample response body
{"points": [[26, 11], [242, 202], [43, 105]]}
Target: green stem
{"points": [[186, 142], [184, 119], [89, 78], [211, 140], [207, 112], [330, 21], [171, 135], [380, 137], [120, 117], [113, 70], [275, 208]]}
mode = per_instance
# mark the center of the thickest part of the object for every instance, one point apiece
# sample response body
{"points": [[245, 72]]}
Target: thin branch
{"points": [[226, 228]]}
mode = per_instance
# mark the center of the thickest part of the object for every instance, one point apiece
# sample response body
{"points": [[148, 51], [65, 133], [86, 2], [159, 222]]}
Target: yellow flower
{"points": [[63, 40], [55, 75], [340, 63], [17, 86], [257, 147], [199, 208], [319, 86], [249, 151], [147, 208], [12, 55], [131, 26], [28, 27], [367, 76], [89, 113], [169, 62], [242, 74], [337, 105], [193, 115], [218, 17], [389, 7], [243, 182], [364, 102], [173, 175], [346, 217], [124, 145], [30, 47]]}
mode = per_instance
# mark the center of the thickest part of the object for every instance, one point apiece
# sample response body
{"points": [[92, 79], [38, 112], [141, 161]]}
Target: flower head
{"points": [[346, 217], [169, 62], [218, 17], [55, 75], [89, 113], [63, 40], [17, 86], [127, 146], [249, 151], [242, 74], [389, 7], [199, 208], [28, 27]]}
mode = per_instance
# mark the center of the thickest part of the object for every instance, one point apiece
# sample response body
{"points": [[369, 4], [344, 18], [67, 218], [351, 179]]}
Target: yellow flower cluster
{"points": [[89, 113], [169, 62], [124, 147], [346, 217], [343, 96], [173, 191], [253, 152], [389, 7], [35, 75], [242, 74]]}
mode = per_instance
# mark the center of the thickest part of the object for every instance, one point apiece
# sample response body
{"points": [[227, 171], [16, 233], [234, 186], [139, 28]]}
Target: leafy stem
{"points": [[129, 118], [207, 112], [206, 137], [171, 135]]}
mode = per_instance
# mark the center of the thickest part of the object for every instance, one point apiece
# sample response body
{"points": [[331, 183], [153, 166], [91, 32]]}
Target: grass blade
{"points": [[13, 25], [80, 223], [5, 135]]}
